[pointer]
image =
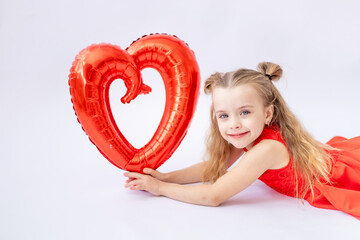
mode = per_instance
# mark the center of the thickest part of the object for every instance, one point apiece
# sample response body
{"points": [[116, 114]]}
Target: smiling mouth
{"points": [[237, 135]]}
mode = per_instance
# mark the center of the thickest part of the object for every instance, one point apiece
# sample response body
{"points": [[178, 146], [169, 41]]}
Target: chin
{"points": [[239, 146]]}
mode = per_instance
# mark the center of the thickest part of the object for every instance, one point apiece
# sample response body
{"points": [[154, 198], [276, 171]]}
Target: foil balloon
{"points": [[98, 65]]}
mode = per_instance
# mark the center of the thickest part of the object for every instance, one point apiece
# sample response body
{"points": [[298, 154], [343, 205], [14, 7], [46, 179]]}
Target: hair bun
{"points": [[210, 82], [270, 70]]}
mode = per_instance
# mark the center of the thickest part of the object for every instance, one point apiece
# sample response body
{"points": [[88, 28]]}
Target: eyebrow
{"points": [[245, 106]]}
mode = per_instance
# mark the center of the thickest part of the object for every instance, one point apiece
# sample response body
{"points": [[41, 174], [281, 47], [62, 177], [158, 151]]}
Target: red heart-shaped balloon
{"points": [[97, 66]]}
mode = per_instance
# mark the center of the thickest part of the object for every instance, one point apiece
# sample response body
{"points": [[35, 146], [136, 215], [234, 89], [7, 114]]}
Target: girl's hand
{"points": [[156, 174], [138, 181]]}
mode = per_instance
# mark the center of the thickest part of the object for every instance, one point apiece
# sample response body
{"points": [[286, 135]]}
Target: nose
{"points": [[235, 123]]}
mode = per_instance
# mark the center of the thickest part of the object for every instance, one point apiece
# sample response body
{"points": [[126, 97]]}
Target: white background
{"points": [[54, 184]]}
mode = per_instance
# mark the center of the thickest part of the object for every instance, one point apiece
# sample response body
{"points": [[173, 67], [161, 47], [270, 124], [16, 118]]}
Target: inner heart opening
{"points": [[139, 119]]}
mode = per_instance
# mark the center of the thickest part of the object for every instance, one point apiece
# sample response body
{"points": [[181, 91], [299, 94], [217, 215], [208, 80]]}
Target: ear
{"points": [[269, 112]]}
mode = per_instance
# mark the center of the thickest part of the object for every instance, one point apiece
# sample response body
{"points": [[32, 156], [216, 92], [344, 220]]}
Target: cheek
{"points": [[222, 128], [258, 125], [258, 120]]}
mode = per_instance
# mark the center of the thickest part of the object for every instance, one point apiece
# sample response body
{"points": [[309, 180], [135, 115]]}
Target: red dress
{"points": [[343, 194]]}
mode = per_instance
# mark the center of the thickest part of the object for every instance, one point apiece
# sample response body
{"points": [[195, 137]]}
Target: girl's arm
{"points": [[192, 174], [263, 156]]}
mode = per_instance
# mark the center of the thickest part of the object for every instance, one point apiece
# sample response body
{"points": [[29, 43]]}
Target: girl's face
{"points": [[240, 114]]}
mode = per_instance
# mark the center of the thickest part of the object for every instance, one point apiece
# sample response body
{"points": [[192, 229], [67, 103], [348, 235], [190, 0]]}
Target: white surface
{"points": [[54, 184]]}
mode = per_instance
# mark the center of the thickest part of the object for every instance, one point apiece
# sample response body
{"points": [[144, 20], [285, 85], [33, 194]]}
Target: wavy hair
{"points": [[310, 158]]}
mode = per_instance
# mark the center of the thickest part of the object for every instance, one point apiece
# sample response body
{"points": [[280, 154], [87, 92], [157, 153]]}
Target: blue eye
{"points": [[245, 112], [223, 116]]}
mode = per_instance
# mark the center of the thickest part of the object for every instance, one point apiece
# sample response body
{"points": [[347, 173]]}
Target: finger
{"points": [[136, 187], [133, 175], [126, 174], [150, 171], [130, 179], [133, 183]]}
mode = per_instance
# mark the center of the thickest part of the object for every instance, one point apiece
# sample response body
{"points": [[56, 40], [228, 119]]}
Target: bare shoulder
{"points": [[273, 153]]}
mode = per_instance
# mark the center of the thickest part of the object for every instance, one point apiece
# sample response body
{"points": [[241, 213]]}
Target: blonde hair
{"points": [[310, 158]]}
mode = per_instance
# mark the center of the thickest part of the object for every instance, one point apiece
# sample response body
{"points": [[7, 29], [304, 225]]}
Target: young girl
{"points": [[249, 115]]}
